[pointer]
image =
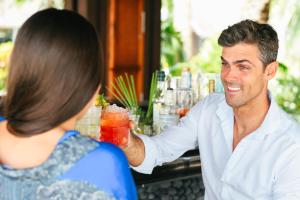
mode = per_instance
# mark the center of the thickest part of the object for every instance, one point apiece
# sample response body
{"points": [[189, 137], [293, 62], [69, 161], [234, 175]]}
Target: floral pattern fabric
{"points": [[40, 183]]}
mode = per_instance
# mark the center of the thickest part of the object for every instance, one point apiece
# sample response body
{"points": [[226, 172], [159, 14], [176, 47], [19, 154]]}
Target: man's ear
{"points": [[270, 70]]}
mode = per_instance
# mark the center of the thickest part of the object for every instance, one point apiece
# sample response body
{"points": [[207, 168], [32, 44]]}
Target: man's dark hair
{"points": [[54, 71], [250, 32]]}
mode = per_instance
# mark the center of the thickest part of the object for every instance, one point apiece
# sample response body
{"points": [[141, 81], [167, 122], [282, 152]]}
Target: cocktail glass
{"points": [[114, 125]]}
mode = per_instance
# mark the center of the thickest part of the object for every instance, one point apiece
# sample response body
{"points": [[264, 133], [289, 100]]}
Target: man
{"points": [[249, 147]]}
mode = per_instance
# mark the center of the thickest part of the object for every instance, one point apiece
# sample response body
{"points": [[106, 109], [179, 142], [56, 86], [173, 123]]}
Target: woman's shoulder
{"points": [[87, 151], [106, 153], [105, 147], [107, 168], [97, 154]]}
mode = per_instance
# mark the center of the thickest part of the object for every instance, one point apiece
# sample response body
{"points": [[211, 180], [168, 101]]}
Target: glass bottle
{"points": [[185, 93], [167, 115], [158, 100]]}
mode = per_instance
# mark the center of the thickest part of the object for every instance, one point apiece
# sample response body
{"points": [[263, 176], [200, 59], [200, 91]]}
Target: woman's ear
{"points": [[270, 70]]}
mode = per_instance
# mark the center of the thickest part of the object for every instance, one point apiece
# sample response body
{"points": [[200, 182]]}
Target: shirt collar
{"points": [[269, 125], [272, 118], [225, 114]]}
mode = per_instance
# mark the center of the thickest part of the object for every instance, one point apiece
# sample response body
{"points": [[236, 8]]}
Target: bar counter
{"points": [[188, 165]]}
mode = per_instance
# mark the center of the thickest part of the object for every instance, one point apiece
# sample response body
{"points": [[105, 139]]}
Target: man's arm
{"points": [[287, 185], [144, 152]]}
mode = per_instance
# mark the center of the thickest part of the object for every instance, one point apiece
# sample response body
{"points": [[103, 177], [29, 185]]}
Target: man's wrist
{"points": [[135, 150]]}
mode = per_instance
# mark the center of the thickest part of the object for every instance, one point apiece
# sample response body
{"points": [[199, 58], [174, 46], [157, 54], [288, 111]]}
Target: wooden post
{"points": [[125, 41]]}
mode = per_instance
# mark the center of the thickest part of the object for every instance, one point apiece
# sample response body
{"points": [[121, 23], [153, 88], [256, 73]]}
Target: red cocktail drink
{"points": [[114, 125]]}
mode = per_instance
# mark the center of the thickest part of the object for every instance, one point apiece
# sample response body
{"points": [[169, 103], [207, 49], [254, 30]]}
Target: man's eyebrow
{"points": [[242, 61], [223, 59], [237, 61]]}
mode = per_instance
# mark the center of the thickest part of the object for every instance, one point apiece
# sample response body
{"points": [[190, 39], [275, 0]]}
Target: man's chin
{"points": [[232, 103]]}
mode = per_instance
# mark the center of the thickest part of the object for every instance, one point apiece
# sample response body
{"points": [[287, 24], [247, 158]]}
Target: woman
{"points": [[54, 76]]}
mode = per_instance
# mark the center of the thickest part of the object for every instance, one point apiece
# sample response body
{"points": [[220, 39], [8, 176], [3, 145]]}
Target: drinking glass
{"points": [[88, 125], [114, 125], [184, 101]]}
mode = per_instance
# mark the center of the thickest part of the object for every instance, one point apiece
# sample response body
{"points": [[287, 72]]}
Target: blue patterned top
{"points": [[79, 168]]}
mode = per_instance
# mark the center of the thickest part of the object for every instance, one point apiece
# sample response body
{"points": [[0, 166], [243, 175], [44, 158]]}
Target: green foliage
{"points": [[172, 54], [42, 3], [20, 1], [148, 118], [285, 16], [286, 86], [287, 91], [5, 51], [207, 60], [101, 101], [3, 75], [171, 43]]}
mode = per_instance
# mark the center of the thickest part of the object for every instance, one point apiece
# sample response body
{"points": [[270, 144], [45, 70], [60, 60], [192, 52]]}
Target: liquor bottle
{"points": [[218, 84], [197, 88], [167, 114], [158, 100], [211, 86], [184, 93], [186, 78]]}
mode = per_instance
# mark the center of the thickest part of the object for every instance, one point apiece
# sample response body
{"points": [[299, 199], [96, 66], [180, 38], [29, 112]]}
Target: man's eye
{"points": [[243, 67]]}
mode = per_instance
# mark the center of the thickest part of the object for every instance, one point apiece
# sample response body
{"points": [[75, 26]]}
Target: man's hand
{"points": [[135, 149]]}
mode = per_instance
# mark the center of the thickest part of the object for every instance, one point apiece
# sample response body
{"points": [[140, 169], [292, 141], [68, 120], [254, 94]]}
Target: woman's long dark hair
{"points": [[54, 71]]}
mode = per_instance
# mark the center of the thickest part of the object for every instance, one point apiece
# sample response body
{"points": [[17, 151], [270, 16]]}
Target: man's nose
{"points": [[231, 74]]}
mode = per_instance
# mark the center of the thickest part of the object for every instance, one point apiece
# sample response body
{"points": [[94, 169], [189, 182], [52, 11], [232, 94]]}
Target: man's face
{"points": [[243, 75]]}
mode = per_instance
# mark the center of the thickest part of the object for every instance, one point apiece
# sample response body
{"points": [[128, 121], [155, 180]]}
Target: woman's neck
{"points": [[24, 152]]}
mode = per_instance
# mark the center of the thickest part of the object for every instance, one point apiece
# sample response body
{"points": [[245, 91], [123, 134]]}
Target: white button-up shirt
{"points": [[264, 165]]}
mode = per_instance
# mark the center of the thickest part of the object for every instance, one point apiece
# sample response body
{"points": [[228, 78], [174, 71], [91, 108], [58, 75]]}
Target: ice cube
{"points": [[115, 109]]}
